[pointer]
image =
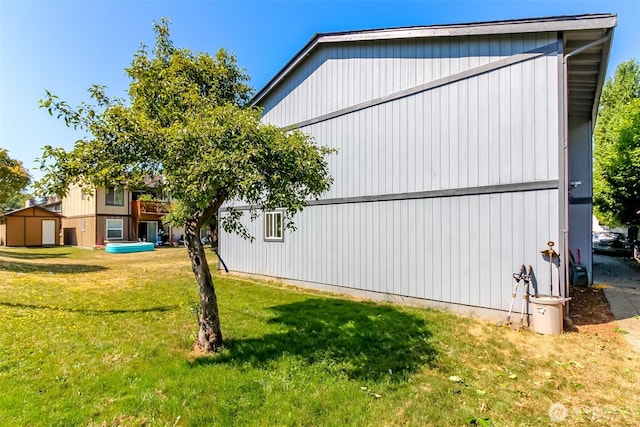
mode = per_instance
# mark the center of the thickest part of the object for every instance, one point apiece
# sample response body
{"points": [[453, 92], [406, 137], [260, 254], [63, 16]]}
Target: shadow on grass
{"points": [[87, 310], [33, 255], [363, 340], [25, 267]]}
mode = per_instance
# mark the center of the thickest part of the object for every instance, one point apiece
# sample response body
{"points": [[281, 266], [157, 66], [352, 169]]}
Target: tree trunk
{"points": [[209, 335]]}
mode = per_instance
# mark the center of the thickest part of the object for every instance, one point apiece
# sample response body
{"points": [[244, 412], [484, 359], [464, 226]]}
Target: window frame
{"points": [[114, 192], [107, 228], [273, 233]]}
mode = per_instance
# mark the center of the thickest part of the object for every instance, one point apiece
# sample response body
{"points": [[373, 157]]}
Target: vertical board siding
{"points": [[461, 250], [477, 132], [340, 75], [499, 127], [580, 166]]}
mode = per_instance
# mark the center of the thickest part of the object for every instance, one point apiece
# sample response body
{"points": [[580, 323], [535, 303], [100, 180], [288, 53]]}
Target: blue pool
{"points": [[124, 248]]}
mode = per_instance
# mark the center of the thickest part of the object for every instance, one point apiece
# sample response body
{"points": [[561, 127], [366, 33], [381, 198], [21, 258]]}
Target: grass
{"points": [[90, 338]]}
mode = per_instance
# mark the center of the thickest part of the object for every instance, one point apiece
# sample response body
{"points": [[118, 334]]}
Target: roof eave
{"points": [[604, 63], [30, 207], [548, 24]]}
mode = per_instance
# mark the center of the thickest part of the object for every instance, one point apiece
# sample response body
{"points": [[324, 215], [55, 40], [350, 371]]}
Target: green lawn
{"points": [[91, 338]]}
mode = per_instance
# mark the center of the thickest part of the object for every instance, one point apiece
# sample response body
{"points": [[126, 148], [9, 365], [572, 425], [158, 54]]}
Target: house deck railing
{"points": [[149, 207]]}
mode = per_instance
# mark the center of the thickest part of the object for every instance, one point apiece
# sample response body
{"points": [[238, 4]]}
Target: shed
{"points": [[462, 150], [30, 226]]}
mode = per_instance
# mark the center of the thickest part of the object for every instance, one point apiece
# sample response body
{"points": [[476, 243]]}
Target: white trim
{"points": [[273, 226], [107, 228]]}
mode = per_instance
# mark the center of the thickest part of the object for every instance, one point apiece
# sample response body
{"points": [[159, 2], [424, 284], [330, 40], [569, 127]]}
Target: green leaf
{"points": [[576, 364], [188, 119], [616, 141], [484, 422]]}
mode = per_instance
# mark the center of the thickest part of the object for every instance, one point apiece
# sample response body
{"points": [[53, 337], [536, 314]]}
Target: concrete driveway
{"points": [[623, 275]]}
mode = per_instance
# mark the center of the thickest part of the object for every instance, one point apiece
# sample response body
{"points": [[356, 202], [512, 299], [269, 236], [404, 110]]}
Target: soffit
{"points": [[587, 56]]}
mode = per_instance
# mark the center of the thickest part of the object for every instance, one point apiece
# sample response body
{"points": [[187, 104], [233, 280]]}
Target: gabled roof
{"points": [[40, 208], [51, 203], [586, 71]]}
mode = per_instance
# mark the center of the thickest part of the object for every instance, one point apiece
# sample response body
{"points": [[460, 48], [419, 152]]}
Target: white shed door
{"points": [[48, 232]]}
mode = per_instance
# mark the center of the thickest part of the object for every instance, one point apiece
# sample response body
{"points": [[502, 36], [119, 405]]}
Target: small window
{"points": [[114, 229], [273, 226], [115, 196], [82, 225]]}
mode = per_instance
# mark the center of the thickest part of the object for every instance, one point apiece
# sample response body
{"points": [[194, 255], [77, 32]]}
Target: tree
{"points": [[188, 120], [617, 148], [13, 178], [16, 201]]}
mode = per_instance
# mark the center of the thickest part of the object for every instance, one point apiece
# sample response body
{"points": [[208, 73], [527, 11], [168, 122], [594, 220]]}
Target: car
{"points": [[610, 242]]}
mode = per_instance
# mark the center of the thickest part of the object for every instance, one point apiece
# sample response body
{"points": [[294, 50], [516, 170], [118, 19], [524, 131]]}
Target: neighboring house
{"points": [[53, 204], [30, 226], [462, 150], [112, 214]]}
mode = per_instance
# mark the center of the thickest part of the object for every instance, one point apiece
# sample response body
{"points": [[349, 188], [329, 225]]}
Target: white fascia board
{"points": [[478, 29]]}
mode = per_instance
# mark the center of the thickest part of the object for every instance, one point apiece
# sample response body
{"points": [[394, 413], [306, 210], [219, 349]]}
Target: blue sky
{"points": [[66, 46]]}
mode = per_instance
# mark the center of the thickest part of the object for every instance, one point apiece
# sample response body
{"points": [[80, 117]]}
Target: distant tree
{"points": [[13, 177], [617, 148], [17, 201], [188, 120]]}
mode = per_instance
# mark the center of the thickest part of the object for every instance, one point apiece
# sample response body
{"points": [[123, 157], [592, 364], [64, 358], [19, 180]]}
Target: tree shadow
{"points": [[25, 267], [365, 341], [87, 310], [32, 255]]}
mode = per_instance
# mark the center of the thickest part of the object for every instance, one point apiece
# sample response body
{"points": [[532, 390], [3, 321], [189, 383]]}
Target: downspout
{"points": [[564, 162]]}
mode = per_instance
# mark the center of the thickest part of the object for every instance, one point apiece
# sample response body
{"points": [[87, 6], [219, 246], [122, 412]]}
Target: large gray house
{"points": [[462, 150]]}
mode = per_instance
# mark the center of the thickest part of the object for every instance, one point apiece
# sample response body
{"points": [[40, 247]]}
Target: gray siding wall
{"points": [[499, 127], [461, 250], [580, 203], [337, 76]]}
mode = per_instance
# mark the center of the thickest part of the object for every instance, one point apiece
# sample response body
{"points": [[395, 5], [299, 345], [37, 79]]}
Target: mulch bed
{"points": [[589, 306]]}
